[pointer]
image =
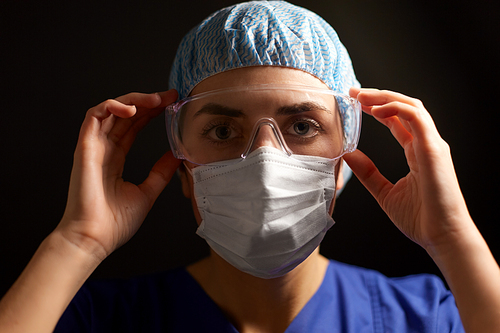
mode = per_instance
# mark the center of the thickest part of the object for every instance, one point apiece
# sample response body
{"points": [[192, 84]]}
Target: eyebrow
{"points": [[288, 110], [217, 109]]}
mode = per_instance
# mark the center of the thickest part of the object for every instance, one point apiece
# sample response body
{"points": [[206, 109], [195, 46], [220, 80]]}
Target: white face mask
{"points": [[266, 214]]}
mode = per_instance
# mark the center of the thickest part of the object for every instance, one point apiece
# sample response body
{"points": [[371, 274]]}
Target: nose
{"points": [[266, 134]]}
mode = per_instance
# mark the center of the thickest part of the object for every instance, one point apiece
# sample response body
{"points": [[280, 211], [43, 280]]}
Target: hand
{"points": [[427, 204], [104, 211]]}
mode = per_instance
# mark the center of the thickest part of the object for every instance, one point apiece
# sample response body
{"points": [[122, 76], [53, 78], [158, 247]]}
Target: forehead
{"points": [[258, 75], [262, 100]]}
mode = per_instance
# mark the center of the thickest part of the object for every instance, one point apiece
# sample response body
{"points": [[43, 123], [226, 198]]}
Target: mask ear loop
{"points": [[277, 133], [187, 168]]}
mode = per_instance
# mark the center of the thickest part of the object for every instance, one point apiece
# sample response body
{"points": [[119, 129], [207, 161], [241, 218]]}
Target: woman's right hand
{"points": [[104, 211]]}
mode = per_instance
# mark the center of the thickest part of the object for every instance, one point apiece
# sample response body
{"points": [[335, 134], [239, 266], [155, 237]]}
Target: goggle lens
{"points": [[228, 124]]}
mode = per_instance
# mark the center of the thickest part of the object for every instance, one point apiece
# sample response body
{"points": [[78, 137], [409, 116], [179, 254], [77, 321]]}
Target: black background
{"points": [[59, 59]]}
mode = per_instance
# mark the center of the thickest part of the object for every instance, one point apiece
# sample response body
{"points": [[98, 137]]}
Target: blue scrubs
{"points": [[350, 299]]}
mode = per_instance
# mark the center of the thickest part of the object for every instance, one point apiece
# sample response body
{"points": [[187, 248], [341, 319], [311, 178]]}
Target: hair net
{"points": [[254, 33]]}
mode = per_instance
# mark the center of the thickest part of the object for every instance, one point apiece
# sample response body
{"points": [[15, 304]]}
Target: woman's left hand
{"points": [[426, 205]]}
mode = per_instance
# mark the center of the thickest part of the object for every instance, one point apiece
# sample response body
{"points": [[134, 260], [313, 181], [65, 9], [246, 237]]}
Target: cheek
{"points": [[188, 191], [340, 177], [330, 211], [196, 212], [339, 184]]}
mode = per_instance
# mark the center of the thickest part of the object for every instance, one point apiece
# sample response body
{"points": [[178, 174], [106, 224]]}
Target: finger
{"points": [[398, 129], [412, 115], [416, 120], [354, 92], [127, 131], [149, 101], [371, 97], [168, 97], [98, 119], [111, 106], [141, 100], [129, 120], [160, 176], [368, 174], [148, 108]]}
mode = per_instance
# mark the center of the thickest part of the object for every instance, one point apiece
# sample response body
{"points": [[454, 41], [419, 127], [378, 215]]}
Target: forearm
{"points": [[474, 278], [42, 292]]}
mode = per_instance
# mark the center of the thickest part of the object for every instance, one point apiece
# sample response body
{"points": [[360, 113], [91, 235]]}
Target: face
{"points": [[249, 109]]}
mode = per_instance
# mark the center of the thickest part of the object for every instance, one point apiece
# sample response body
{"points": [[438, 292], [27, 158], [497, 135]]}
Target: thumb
{"points": [[368, 174], [159, 176]]}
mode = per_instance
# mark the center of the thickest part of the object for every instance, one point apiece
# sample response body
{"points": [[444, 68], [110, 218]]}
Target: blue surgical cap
{"points": [[263, 33], [256, 33]]}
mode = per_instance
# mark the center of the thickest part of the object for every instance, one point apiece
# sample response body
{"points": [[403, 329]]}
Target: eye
{"points": [[222, 132], [219, 131], [304, 128], [301, 128]]}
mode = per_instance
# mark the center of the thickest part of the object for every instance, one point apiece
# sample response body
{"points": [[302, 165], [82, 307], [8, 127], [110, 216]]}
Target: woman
{"points": [[281, 76]]}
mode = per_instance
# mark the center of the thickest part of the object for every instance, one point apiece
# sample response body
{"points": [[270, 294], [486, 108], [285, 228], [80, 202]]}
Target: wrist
{"points": [[456, 242], [79, 251], [42, 292], [473, 277], [72, 238]]}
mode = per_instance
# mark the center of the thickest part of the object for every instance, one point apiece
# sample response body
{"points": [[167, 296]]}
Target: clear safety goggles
{"points": [[228, 124]]}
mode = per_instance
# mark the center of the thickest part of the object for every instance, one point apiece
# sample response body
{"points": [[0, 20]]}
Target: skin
{"points": [[269, 305], [104, 211], [428, 207]]}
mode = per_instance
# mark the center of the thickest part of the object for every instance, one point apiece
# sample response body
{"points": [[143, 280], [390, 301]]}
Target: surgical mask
{"points": [[266, 214]]}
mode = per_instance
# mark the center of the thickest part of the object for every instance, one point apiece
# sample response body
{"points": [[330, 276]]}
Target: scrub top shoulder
{"points": [[350, 299]]}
